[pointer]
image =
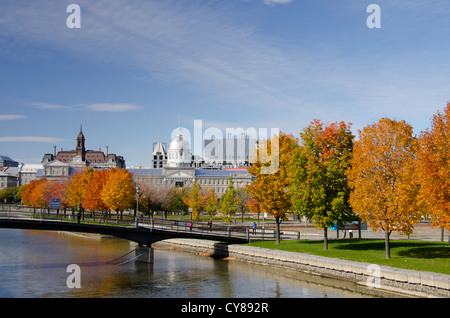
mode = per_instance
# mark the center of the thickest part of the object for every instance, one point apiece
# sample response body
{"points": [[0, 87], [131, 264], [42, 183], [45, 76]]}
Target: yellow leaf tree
{"points": [[194, 200], [119, 190], [384, 187], [270, 187], [433, 170]]}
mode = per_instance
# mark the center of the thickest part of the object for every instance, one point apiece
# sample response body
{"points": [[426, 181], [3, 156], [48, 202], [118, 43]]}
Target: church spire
{"points": [[81, 150]]}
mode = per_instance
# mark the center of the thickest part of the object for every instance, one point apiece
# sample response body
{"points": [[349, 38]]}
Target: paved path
{"points": [[422, 232]]}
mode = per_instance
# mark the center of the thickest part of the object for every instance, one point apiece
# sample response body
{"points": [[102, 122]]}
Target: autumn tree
{"points": [[228, 201], [253, 205], [119, 190], [77, 185], [194, 200], [211, 203], [57, 190], [270, 187], [33, 195], [92, 198], [382, 178], [319, 189], [433, 170]]}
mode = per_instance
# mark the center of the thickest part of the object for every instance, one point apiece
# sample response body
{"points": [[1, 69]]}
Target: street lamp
{"points": [[137, 199]]}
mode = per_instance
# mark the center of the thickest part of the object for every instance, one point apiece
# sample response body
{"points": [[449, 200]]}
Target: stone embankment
{"points": [[409, 282]]}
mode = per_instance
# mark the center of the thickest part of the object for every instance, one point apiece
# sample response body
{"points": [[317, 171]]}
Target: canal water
{"points": [[35, 264]]}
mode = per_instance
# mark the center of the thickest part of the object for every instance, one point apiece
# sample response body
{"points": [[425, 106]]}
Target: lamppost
{"points": [[137, 199], [136, 216]]}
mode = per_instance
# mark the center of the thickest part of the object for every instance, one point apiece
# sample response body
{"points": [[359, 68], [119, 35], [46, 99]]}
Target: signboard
{"points": [[55, 203], [351, 226]]}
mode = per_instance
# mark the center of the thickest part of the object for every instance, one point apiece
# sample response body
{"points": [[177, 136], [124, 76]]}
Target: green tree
{"points": [[227, 205], [242, 201], [11, 194], [175, 201], [319, 189]]}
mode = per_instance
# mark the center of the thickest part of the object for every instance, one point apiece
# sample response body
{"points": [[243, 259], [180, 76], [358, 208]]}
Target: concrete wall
{"points": [[416, 283]]}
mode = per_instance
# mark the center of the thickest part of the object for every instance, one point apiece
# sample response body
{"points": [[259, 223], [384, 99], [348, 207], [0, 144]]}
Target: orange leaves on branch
{"points": [[433, 169], [270, 190], [383, 179], [119, 190], [33, 195], [92, 199], [76, 187]]}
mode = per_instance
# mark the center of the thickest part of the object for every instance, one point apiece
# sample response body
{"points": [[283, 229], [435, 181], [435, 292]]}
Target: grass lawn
{"points": [[416, 255]]}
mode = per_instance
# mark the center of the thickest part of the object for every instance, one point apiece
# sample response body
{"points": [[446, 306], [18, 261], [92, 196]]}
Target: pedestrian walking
{"points": [[254, 228], [210, 225], [190, 226]]}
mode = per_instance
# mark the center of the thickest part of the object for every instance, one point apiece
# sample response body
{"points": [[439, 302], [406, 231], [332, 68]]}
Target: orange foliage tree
{"points": [[77, 185], [382, 178], [57, 190], [119, 190], [33, 195], [92, 199], [270, 187], [433, 169]]}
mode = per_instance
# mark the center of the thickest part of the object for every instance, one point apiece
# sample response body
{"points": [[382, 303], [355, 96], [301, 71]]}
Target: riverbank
{"points": [[384, 281]]}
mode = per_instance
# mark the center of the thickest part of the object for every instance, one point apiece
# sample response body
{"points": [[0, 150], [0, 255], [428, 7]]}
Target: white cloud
{"points": [[273, 2], [11, 117], [30, 139], [115, 108], [47, 106]]}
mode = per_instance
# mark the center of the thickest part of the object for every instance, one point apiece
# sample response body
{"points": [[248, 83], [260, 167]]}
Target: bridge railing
{"points": [[128, 220], [205, 228], [192, 227]]}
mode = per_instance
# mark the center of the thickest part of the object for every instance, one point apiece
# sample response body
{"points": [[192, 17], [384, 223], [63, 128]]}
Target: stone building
{"points": [[8, 172], [180, 170], [66, 162]]}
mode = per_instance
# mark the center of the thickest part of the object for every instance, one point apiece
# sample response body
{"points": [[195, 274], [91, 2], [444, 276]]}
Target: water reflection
{"points": [[34, 263]]}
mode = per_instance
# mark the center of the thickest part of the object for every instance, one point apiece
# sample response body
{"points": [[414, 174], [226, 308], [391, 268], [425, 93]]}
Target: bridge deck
{"points": [[142, 230]]}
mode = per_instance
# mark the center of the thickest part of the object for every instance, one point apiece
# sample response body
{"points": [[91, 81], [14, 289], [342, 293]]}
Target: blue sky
{"points": [[136, 70]]}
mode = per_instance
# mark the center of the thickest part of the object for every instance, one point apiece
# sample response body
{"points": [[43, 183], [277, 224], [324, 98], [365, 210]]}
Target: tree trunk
{"points": [[325, 238], [386, 244], [277, 221], [442, 234]]}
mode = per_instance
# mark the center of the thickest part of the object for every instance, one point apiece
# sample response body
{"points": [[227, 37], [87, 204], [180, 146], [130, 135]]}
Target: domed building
{"points": [[179, 152], [180, 169]]}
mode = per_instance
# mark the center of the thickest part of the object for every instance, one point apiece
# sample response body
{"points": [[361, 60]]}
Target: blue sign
{"points": [[55, 203]]}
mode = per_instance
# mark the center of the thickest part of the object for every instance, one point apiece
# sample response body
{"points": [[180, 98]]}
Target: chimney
{"points": [[54, 151], [106, 151]]}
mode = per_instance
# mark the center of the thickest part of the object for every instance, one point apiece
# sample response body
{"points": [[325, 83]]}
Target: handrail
{"points": [[152, 224]]}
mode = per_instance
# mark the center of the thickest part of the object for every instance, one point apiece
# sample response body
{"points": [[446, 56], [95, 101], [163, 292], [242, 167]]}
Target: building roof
{"points": [[7, 162], [219, 173]]}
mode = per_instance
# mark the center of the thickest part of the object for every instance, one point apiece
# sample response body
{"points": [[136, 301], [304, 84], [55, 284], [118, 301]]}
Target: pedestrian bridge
{"points": [[143, 230]]}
